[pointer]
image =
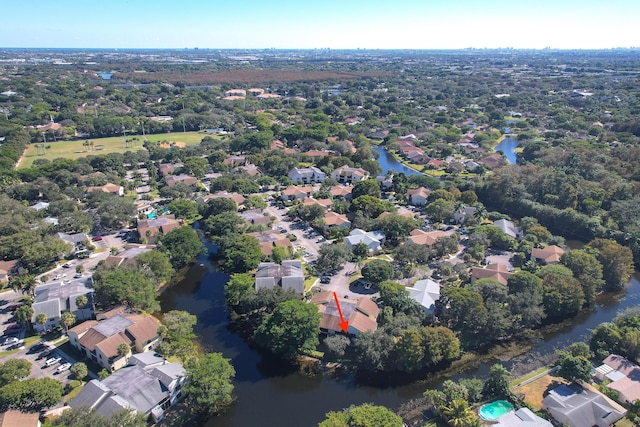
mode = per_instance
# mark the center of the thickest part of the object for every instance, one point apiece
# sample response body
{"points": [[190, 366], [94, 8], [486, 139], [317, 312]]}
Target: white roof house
{"points": [[306, 175], [523, 417], [373, 239], [289, 275], [508, 228], [426, 292]]}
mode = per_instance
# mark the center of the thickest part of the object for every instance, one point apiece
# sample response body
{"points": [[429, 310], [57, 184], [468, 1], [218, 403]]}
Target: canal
{"points": [[270, 394], [389, 163]]}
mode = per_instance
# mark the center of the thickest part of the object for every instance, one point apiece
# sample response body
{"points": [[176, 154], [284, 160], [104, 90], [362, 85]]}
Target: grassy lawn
{"points": [[75, 149]]}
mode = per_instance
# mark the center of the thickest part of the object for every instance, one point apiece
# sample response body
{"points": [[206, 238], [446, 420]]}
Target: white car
{"points": [[59, 276], [63, 367], [12, 340], [52, 360]]}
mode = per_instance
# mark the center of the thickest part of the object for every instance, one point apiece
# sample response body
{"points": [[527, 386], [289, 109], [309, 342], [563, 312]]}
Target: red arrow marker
{"points": [[344, 325]]}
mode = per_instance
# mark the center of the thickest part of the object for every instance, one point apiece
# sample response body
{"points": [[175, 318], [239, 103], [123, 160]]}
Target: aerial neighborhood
{"points": [[375, 222]]}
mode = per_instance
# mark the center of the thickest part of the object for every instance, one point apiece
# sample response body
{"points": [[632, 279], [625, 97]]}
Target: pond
{"points": [[508, 146], [269, 393]]}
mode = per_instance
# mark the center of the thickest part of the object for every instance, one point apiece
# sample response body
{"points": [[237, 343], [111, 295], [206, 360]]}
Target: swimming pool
{"points": [[494, 410]]}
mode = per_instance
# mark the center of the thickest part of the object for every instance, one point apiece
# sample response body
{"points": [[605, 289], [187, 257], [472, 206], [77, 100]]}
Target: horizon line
{"points": [[549, 48]]}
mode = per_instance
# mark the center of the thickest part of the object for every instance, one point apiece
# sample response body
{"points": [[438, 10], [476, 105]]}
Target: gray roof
{"points": [[265, 282], [50, 308], [578, 407], [92, 394], [113, 325], [72, 238], [295, 283], [523, 417], [138, 387], [62, 292], [426, 292], [168, 373], [148, 358]]}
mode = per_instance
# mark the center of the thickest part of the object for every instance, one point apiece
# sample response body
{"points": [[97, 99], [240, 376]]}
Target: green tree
{"points": [[177, 332], [23, 314], [238, 286], [337, 345], [67, 319], [185, 209], [573, 368], [365, 415], [617, 263], [311, 213], [241, 254], [587, 269], [14, 370], [120, 286], [458, 414], [440, 210], [182, 245], [41, 319], [223, 225], [155, 266], [81, 302], [196, 166], [497, 383], [371, 206], [526, 291], [396, 228], [30, 395], [368, 187], [377, 271], [255, 201], [123, 349], [562, 296], [79, 371], [218, 205], [291, 329], [332, 257], [210, 386]]}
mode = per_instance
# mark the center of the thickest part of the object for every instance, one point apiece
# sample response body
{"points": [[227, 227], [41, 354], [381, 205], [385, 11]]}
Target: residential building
{"points": [[577, 406], [271, 239], [548, 255], [508, 228], [306, 175], [332, 219], [349, 175], [172, 180], [325, 203], [255, 217], [493, 161], [238, 198], [235, 160], [373, 239], [77, 241], [296, 193], [161, 224], [402, 211], [40, 206], [461, 216], [360, 314], [236, 92], [427, 238], [54, 298], [425, 292], [498, 272], [341, 192], [118, 190], [418, 196], [523, 417], [256, 91], [19, 419], [289, 275], [149, 385], [8, 269], [624, 376], [99, 341], [168, 168], [127, 257]]}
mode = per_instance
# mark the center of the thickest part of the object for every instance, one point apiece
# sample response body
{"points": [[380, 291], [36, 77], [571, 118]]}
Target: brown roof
{"points": [[325, 203], [113, 312], [340, 191], [368, 307], [19, 419], [550, 254], [332, 218], [109, 346], [420, 237], [360, 314], [144, 328], [420, 191], [91, 339], [292, 190], [83, 327], [497, 272]]}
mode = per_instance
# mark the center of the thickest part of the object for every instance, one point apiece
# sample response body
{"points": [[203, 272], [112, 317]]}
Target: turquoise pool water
{"points": [[494, 410]]}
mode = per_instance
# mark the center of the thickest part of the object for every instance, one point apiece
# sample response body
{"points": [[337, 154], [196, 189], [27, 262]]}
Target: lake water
{"points": [[389, 163], [269, 393], [508, 146]]}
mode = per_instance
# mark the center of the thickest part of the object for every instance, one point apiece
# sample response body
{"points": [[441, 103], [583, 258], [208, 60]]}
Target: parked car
{"points": [[53, 360], [96, 238], [66, 282], [67, 265], [77, 275], [325, 279], [63, 367], [13, 326], [14, 307], [11, 340], [59, 276]]}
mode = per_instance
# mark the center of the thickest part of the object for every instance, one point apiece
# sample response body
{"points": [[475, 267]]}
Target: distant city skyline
{"points": [[366, 24]]}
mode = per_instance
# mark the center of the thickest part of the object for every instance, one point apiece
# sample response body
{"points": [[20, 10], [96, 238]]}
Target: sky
{"points": [[313, 24]]}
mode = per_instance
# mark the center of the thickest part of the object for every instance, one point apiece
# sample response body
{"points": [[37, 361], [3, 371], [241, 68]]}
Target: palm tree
{"points": [[41, 319], [23, 314], [67, 319], [458, 414], [81, 302], [123, 350]]}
